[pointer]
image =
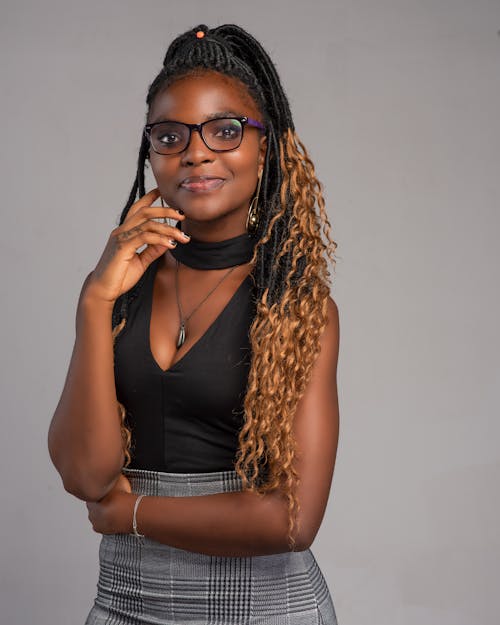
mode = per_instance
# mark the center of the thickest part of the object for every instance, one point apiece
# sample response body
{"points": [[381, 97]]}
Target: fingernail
{"points": [[173, 242], [186, 236], [180, 211]]}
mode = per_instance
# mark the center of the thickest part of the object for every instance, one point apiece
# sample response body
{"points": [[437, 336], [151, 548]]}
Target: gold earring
{"points": [[253, 211]]}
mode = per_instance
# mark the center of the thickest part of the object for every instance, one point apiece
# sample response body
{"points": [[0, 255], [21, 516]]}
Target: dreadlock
{"points": [[291, 275]]}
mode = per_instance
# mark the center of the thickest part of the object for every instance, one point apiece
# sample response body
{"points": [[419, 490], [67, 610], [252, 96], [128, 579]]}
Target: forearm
{"points": [[85, 437], [224, 524]]}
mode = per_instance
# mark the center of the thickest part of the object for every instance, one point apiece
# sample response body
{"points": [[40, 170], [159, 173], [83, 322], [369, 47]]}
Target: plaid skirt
{"points": [[142, 581]]}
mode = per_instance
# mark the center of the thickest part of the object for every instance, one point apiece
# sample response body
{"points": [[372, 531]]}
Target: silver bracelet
{"points": [[134, 519]]}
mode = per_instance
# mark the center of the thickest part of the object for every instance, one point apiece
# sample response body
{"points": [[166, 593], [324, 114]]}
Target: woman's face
{"points": [[193, 100]]}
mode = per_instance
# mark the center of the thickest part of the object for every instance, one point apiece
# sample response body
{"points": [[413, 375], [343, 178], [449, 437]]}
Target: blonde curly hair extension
{"points": [[285, 337]]}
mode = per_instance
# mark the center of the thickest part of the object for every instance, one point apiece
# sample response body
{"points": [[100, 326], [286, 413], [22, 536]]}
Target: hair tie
{"points": [[200, 34]]}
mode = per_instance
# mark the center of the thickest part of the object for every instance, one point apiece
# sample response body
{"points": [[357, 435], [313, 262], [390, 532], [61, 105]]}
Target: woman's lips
{"points": [[199, 185]]}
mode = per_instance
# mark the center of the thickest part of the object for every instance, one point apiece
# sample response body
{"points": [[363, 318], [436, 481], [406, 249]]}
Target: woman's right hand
{"points": [[120, 267]]}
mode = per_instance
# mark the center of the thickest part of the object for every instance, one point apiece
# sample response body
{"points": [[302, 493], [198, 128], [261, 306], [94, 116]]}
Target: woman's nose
{"points": [[196, 151]]}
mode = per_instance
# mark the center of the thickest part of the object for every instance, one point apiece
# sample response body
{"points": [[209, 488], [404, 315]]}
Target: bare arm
{"points": [[84, 438], [242, 523]]}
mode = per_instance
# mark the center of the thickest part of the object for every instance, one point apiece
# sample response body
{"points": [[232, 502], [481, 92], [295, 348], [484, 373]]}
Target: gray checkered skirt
{"points": [[142, 581]]}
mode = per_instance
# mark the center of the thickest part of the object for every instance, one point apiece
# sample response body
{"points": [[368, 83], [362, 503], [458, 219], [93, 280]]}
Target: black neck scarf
{"points": [[198, 254]]}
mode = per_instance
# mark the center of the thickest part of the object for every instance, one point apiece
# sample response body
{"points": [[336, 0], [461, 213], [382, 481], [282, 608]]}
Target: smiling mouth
{"points": [[200, 185]]}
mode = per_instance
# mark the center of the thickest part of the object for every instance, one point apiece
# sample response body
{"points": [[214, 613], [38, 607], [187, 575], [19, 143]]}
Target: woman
{"points": [[218, 342]]}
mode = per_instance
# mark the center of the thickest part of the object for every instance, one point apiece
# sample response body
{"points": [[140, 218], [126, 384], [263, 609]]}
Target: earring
{"points": [[253, 211], [165, 219]]}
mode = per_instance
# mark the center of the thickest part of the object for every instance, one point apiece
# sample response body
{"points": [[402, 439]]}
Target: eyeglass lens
{"points": [[219, 134]]}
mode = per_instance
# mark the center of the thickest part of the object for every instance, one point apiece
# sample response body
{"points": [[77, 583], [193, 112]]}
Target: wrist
{"points": [[90, 301]]}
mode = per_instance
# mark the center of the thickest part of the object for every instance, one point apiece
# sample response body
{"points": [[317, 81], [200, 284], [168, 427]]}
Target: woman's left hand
{"points": [[113, 513]]}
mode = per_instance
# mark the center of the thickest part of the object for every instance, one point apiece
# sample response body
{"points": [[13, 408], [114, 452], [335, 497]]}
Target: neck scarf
{"points": [[198, 254]]}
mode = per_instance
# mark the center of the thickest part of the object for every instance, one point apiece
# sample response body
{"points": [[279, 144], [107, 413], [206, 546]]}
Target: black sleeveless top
{"points": [[185, 419]]}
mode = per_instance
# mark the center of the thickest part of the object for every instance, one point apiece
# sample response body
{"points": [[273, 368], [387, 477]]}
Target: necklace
{"points": [[198, 254], [182, 330]]}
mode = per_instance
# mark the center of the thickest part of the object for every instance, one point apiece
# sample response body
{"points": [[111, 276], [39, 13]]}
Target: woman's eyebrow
{"points": [[218, 115], [223, 114]]}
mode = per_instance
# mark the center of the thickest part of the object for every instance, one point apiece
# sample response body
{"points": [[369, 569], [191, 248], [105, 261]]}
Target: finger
{"points": [[165, 228], [133, 240], [138, 235], [145, 200], [150, 253], [126, 483], [153, 212], [123, 484]]}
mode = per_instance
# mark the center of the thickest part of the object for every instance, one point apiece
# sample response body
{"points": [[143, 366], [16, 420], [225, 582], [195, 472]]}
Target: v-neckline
{"points": [[149, 311]]}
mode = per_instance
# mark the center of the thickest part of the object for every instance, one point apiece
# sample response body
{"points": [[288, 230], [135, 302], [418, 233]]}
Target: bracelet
{"points": [[134, 518]]}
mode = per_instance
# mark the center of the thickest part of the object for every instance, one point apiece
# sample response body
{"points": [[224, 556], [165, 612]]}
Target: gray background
{"points": [[398, 104]]}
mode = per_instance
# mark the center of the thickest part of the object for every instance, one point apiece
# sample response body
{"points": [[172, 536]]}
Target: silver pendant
{"points": [[182, 335]]}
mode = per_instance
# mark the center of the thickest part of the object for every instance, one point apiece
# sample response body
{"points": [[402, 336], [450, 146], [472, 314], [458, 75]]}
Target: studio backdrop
{"points": [[397, 103]]}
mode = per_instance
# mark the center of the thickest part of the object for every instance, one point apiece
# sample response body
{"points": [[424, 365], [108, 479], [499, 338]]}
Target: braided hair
{"points": [[290, 272]]}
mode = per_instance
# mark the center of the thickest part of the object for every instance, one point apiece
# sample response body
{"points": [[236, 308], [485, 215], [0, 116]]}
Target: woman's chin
{"points": [[204, 207]]}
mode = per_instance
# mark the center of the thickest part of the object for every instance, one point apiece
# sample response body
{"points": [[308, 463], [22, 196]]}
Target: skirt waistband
{"points": [[157, 483]]}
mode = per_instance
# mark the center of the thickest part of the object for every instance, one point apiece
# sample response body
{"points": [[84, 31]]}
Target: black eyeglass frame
{"points": [[199, 127]]}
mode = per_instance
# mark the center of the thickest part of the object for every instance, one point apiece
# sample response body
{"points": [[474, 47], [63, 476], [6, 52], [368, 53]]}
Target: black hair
{"points": [[232, 51]]}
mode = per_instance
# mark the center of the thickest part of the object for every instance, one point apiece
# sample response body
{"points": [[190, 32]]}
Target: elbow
{"points": [[276, 526], [85, 490], [87, 487], [304, 536], [84, 480], [302, 541]]}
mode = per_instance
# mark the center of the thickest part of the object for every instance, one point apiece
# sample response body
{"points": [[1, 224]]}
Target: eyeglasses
{"points": [[219, 135]]}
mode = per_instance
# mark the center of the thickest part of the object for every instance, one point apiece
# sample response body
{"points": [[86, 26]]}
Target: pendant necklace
{"points": [[233, 252], [182, 330]]}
